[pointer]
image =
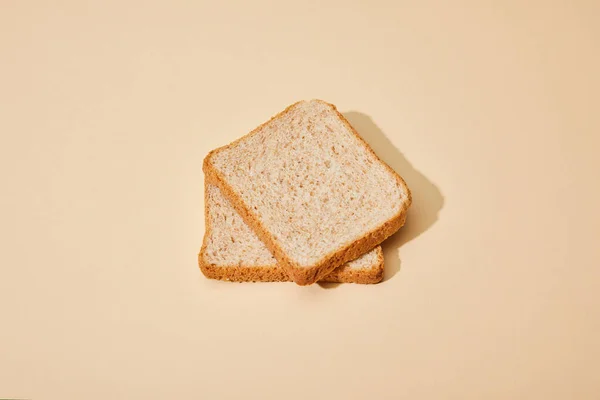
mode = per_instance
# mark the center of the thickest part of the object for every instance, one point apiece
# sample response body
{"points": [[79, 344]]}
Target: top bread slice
{"points": [[311, 188]]}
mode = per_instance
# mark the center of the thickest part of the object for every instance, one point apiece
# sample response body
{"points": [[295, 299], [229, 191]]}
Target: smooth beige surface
{"points": [[490, 112]]}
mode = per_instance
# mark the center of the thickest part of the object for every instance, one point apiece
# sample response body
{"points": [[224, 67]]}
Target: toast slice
{"points": [[231, 250], [311, 188]]}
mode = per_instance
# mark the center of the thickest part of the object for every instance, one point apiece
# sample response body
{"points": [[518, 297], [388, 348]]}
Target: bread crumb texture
{"points": [[232, 251], [311, 182]]}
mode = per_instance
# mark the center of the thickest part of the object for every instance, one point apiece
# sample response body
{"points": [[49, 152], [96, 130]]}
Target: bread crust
{"points": [[236, 273], [241, 273], [308, 275]]}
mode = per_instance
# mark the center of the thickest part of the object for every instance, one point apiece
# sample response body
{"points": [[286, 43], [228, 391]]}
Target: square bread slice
{"points": [[311, 188], [231, 251]]}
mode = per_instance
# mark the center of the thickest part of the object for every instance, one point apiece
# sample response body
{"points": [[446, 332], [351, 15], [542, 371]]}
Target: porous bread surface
{"points": [[232, 251], [312, 184], [230, 241]]}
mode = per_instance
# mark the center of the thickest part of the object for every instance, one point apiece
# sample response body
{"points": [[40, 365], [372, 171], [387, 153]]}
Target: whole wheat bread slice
{"points": [[311, 188], [231, 250]]}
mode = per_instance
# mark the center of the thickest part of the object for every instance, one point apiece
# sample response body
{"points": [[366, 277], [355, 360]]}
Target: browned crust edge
{"points": [[308, 275], [237, 273], [345, 274]]}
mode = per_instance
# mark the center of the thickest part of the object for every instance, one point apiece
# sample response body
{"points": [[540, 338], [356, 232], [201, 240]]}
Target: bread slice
{"points": [[231, 250], [311, 188]]}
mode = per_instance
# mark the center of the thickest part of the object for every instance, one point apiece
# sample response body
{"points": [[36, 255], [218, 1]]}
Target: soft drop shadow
{"points": [[427, 200], [328, 285]]}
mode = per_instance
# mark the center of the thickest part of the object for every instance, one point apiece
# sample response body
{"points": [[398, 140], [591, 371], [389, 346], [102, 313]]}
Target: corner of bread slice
{"points": [[241, 273], [306, 275], [229, 270], [208, 270], [370, 274], [375, 274], [205, 267], [207, 163]]}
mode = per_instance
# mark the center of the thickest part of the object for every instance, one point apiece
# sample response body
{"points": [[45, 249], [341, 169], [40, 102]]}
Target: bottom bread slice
{"points": [[231, 251]]}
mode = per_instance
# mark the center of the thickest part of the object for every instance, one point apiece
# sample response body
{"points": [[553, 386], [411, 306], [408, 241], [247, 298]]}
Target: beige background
{"points": [[488, 109]]}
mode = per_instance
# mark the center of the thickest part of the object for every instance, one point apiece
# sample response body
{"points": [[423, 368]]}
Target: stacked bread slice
{"points": [[302, 198]]}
